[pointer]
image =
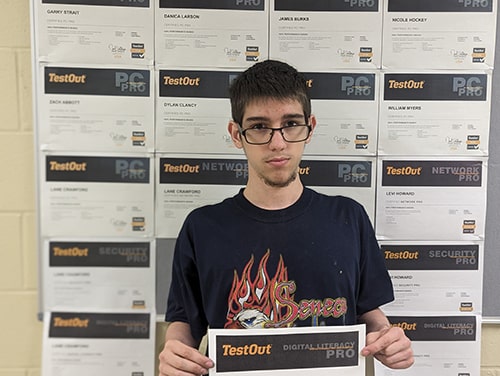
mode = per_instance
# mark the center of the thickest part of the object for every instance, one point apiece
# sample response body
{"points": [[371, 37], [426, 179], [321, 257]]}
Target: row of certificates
{"points": [[140, 196], [81, 343], [452, 34], [126, 110]]}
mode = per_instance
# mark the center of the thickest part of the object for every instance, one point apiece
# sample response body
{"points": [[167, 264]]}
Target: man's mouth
{"points": [[278, 161]]}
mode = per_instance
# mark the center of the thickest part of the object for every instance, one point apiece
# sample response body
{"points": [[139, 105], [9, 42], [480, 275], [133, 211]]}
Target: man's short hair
{"points": [[269, 79]]}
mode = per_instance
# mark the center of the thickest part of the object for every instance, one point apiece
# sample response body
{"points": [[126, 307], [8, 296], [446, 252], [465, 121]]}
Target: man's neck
{"points": [[273, 198]]}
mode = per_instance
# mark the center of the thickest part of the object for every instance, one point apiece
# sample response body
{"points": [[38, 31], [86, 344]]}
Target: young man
{"points": [[277, 254]]}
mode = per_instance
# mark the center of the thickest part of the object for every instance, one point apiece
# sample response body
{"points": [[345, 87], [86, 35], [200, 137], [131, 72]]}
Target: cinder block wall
{"points": [[20, 331]]}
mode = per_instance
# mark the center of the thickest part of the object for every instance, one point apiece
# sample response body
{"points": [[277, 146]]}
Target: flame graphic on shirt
{"points": [[252, 301]]}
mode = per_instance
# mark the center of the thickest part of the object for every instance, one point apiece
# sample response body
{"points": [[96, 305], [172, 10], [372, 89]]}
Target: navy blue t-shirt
{"points": [[316, 262]]}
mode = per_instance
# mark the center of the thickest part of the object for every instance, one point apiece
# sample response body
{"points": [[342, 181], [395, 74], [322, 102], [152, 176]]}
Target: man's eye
{"points": [[289, 124]]}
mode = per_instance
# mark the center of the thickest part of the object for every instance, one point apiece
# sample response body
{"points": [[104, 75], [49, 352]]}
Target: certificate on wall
{"points": [[326, 35], [447, 345], [193, 111], [320, 350], [352, 177], [435, 113], [345, 104], [187, 182], [96, 195], [97, 31], [82, 343], [96, 109], [104, 274], [215, 34], [432, 199], [458, 34], [433, 277]]}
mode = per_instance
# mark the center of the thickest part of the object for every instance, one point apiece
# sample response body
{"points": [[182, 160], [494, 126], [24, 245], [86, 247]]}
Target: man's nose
{"points": [[277, 140]]}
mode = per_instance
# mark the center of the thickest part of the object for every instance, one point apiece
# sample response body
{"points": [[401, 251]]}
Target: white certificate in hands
{"points": [[321, 350]]}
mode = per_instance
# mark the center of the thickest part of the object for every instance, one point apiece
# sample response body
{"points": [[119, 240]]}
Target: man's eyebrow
{"points": [[284, 117], [257, 118]]}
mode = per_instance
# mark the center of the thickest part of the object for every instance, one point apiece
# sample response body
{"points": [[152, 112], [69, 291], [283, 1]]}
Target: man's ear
{"points": [[312, 123], [234, 132]]}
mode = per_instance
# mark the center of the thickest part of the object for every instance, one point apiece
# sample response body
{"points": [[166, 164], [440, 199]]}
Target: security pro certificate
{"points": [[433, 277], [321, 350], [106, 274]]}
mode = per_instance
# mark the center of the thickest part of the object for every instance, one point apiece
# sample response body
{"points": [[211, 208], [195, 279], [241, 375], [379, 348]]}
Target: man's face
{"points": [[275, 163]]}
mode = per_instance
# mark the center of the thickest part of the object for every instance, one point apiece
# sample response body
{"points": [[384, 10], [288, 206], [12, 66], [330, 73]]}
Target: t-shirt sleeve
{"points": [[184, 302], [375, 288]]}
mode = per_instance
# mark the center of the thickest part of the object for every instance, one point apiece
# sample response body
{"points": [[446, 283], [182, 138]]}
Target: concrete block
{"points": [[8, 96], [17, 188], [10, 268], [21, 344]]}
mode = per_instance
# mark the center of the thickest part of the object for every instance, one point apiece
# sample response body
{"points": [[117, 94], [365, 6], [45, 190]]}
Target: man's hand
{"points": [[390, 346], [178, 359], [179, 356]]}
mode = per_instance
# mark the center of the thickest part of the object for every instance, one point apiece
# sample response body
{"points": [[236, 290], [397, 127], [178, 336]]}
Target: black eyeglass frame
{"points": [[280, 129]]}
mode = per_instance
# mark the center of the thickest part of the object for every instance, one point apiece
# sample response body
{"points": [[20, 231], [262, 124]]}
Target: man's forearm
{"points": [[181, 332]]}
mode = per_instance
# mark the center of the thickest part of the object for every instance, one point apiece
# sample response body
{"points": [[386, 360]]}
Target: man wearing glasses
{"points": [[277, 254]]}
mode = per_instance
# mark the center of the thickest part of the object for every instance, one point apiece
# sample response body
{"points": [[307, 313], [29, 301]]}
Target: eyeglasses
{"points": [[259, 135]]}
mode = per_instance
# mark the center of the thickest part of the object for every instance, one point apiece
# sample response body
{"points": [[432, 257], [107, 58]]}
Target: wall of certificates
{"points": [[131, 113]]}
